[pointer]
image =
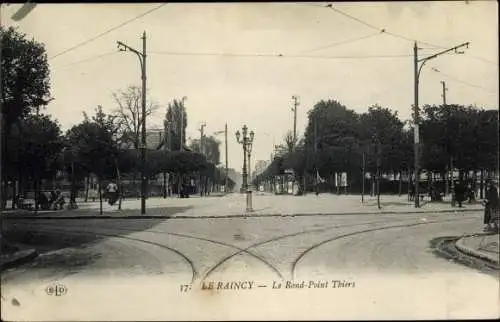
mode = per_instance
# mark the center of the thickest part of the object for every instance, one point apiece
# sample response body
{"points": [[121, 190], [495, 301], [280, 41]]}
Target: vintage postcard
{"points": [[249, 161]]}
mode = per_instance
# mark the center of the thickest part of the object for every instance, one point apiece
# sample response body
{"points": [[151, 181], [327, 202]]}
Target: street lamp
{"points": [[245, 140], [416, 118], [142, 61], [249, 151]]}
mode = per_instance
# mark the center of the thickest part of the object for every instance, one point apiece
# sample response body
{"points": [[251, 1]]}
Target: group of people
{"points": [[53, 200], [462, 193]]}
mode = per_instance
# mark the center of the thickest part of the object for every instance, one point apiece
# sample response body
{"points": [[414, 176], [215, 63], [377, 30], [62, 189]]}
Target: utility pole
{"points": [[416, 117], [444, 92], [416, 125], [143, 150], [182, 123], [378, 172], [201, 152], [294, 110], [227, 165], [316, 154], [363, 181], [202, 137], [446, 190], [166, 140], [142, 61]]}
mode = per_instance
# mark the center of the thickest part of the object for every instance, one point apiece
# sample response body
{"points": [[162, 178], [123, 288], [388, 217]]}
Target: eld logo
{"points": [[56, 289]]}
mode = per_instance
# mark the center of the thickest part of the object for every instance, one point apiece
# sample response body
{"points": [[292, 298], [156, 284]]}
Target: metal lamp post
{"points": [[418, 63], [245, 140], [142, 61], [249, 152]]}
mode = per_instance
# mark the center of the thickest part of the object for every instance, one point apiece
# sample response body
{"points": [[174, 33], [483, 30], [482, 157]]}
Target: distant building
{"points": [[236, 177]]}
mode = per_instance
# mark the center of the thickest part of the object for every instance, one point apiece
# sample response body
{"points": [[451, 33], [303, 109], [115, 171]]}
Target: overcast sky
{"points": [[257, 91]]}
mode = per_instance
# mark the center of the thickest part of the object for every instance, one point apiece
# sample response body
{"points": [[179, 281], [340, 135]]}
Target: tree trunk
{"points": [[373, 190], [15, 185], [400, 186], [134, 184], [481, 185], [87, 183], [3, 187], [200, 185], [120, 185], [100, 196], [35, 189]]}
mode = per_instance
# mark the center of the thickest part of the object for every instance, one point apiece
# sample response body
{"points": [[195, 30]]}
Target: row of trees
{"points": [[34, 150], [337, 139]]}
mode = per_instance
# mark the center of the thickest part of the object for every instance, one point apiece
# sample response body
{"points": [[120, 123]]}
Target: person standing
{"points": [[459, 193], [491, 206], [112, 191]]}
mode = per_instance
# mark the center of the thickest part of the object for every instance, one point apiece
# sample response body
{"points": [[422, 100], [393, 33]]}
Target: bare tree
{"points": [[129, 112], [289, 141], [129, 115]]}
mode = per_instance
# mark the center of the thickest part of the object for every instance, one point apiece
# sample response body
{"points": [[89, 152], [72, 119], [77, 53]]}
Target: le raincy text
{"points": [[249, 285]]}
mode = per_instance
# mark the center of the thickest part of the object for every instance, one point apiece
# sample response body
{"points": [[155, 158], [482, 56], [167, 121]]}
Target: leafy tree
{"points": [[94, 147], [336, 139], [25, 83], [25, 76], [176, 122], [38, 143], [211, 148], [381, 132]]}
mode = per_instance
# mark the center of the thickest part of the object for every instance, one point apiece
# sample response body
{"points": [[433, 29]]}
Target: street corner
{"points": [[484, 246]]}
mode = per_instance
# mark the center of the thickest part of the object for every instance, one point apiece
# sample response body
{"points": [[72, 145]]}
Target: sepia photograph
{"points": [[217, 161]]}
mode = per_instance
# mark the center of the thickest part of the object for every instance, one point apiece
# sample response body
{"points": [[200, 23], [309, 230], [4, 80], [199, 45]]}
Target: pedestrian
{"points": [[459, 193], [412, 192], [491, 207], [112, 192], [470, 193]]}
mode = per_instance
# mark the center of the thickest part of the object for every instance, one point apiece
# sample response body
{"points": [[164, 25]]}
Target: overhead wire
{"points": [[107, 31], [343, 42], [461, 81], [90, 58], [275, 55], [401, 36], [378, 28]]}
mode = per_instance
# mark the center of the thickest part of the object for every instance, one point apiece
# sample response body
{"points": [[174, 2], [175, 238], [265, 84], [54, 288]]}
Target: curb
{"points": [[19, 258], [460, 245], [234, 216]]}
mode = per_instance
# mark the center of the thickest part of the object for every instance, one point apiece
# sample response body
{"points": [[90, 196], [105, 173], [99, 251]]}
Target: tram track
{"points": [[247, 250], [339, 237]]}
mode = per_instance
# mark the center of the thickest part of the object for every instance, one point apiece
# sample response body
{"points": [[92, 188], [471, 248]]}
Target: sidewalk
{"points": [[264, 204], [482, 246]]}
